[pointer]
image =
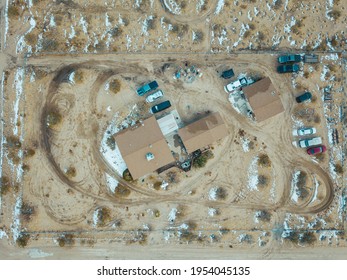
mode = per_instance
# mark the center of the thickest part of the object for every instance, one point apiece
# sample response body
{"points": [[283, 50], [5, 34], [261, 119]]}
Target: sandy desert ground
{"points": [[62, 190]]}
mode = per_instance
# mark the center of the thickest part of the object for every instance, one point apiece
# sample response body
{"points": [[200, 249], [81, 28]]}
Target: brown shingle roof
{"points": [[135, 142], [263, 99], [203, 132]]}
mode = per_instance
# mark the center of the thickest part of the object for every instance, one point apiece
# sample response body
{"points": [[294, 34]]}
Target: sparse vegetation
{"points": [[198, 36], [5, 185], [29, 152], [338, 168], [111, 143], [307, 238], [157, 185], [78, 76], [302, 190], [22, 240], [264, 160], [66, 239], [127, 176], [263, 180], [335, 14], [27, 211], [104, 216], [71, 172], [53, 118], [201, 160], [264, 215], [13, 11], [122, 191], [115, 86]]}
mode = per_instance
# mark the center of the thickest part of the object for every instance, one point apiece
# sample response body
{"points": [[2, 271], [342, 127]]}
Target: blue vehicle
{"points": [[288, 68], [147, 88], [303, 97], [289, 58]]}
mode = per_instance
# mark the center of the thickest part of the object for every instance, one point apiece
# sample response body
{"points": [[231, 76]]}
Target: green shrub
{"points": [[201, 160], [127, 176], [22, 240]]}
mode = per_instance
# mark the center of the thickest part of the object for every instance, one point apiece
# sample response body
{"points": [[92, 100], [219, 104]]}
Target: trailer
{"points": [[311, 58]]}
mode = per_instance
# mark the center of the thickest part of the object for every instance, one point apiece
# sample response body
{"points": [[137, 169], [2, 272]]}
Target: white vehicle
{"points": [[305, 143], [235, 85], [154, 96], [304, 131]]}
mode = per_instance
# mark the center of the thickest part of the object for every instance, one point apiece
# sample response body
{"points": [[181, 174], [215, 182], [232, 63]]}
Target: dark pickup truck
{"points": [[160, 107], [289, 58], [288, 68]]}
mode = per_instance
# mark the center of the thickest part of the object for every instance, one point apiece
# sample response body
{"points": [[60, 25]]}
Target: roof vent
{"points": [[149, 156]]}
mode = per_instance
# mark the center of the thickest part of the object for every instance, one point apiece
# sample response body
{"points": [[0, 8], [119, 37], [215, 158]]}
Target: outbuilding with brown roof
{"points": [[264, 99]]}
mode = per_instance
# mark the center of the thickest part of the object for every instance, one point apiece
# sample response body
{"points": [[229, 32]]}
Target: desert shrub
{"points": [[53, 118], [156, 213], [306, 74], [261, 36], [338, 168], [246, 238], [246, 34], [157, 185], [264, 160], [25, 167], [251, 26], [104, 216], [115, 86], [78, 78], [291, 236], [122, 191], [322, 46], [29, 152], [27, 211], [180, 29], [201, 160], [127, 176], [243, 6], [307, 238], [198, 36], [335, 14], [49, 45], [278, 4], [116, 31], [66, 239], [264, 215], [13, 11], [221, 193], [151, 23], [5, 185], [316, 119], [13, 142], [71, 172], [31, 39], [263, 180], [172, 177], [22, 240], [334, 42], [111, 143]]}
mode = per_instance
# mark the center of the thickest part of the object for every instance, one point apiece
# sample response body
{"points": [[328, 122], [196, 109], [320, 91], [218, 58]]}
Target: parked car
{"points": [[303, 97], [154, 96], [288, 68], [160, 107], [305, 143], [227, 74], [316, 150], [289, 58], [147, 87], [234, 85], [304, 131]]}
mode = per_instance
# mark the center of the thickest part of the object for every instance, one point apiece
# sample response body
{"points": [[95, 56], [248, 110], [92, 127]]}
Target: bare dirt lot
{"points": [[69, 82]]}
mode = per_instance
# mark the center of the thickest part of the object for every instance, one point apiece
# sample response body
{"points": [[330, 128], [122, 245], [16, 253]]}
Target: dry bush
{"points": [[13, 142], [115, 86], [78, 76], [306, 74], [264, 160], [66, 239], [322, 46], [5, 185], [320, 157], [243, 6], [122, 191], [338, 168], [263, 180], [180, 29], [198, 36], [157, 185], [29, 152], [335, 14], [263, 215], [221, 193], [247, 34], [127, 176], [104, 216], [13, 11], [71, 172], [53, 118], [27, 211], [111, 143], [316, 119], [201, 160], [278, 4], [22, 240], [251, 26], [31, 39], [172, 177], [116, 31], [307, 238], [261, 36], [49, 45]]}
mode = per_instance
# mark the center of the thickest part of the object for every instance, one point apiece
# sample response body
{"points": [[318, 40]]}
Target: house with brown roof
{"points": [[264, 99], [203, 132], [144, 148]]}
